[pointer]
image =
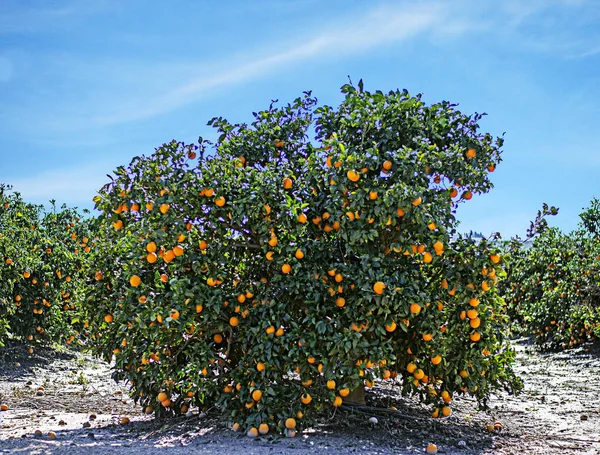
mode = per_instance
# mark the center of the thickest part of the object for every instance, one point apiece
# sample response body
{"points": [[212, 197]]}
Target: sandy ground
{"points": [[558, 412]]}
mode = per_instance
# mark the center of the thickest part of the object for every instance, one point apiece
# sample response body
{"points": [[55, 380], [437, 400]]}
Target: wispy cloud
{"points": [[74, 185], [383, 26], [45, 17]]}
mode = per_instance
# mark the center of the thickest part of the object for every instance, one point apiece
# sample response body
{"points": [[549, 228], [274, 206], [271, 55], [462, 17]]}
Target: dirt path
{"points": [[558, 412]]}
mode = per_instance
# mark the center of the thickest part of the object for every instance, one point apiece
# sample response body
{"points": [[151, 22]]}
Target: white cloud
{"points": [[74, 185], [382, 26]]}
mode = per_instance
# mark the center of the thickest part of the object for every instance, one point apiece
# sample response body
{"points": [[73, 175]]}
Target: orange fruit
{"points": [[453, 193], [287, 183], [446, 411], [117, 225], [290, 423], [427, 257], [387, 165], [299, 254], [257, 395], [164, 208], [436, 360], [174, 315], [390, 327], [472, 313], [352, 175], [169, 256], [331, 384], [337, 401], [220, 201], [286, 268], [415, 308], [475, 337], [260, 366], [474, 301], [278, 143], [269, 255], [263, 428], [495, 258], [378, 287], [151, 258], [475, 323], [178, 250], [125, 420], [372, 195], [203, 245], [252, 432], [431, 449], [162, 396], [470, 153], [135, 281], [108, 318], [302, 218], [417, 201], [306, 398], [218, 338], [340, 302], [3, 407]]}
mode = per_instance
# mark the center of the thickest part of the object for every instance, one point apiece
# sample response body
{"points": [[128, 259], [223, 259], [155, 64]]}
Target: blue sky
{"points": [[87, 85]]}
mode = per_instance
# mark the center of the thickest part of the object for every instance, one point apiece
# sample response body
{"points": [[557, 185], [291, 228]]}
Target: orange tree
{"points": [[274, 276], [552, 287], [43, 265]]}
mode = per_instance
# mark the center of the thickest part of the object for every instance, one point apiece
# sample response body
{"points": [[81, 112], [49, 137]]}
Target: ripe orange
{"points": [[174, 314], [390, 327], [331, 384], [415, 308], [427, 257], [475, 323], [302, 218], [203, 244], [220, 201], [252, 432], [178, 250], [474, 301], [467, 195], [286, 268], [431, 449], [378, 287], [446, 411], [125, 420], [162, 396], [372, 195], [436, 360], [299, 254], [387, 165], [337, 401], [352, 175], [135, 281], [117, 225], [495, 258], [453, 193], [263, 428], [257, 395], [168, 256], [260, 366], [287, 183], [108, 318], [417, 201], [151, 258], [218, 338], [470, 153], [164, 208], [475, 337], [306, 398], [340, 302], [269, 255], [290, 423], [472, 313]]}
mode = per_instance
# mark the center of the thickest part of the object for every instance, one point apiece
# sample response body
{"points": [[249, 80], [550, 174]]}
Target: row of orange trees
{"points": [[553, 285], [276, 276], [43, 265]]}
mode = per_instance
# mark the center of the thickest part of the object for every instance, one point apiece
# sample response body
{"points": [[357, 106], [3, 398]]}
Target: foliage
{"points": [[43, 261], [552, 289], [271, 275]]}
